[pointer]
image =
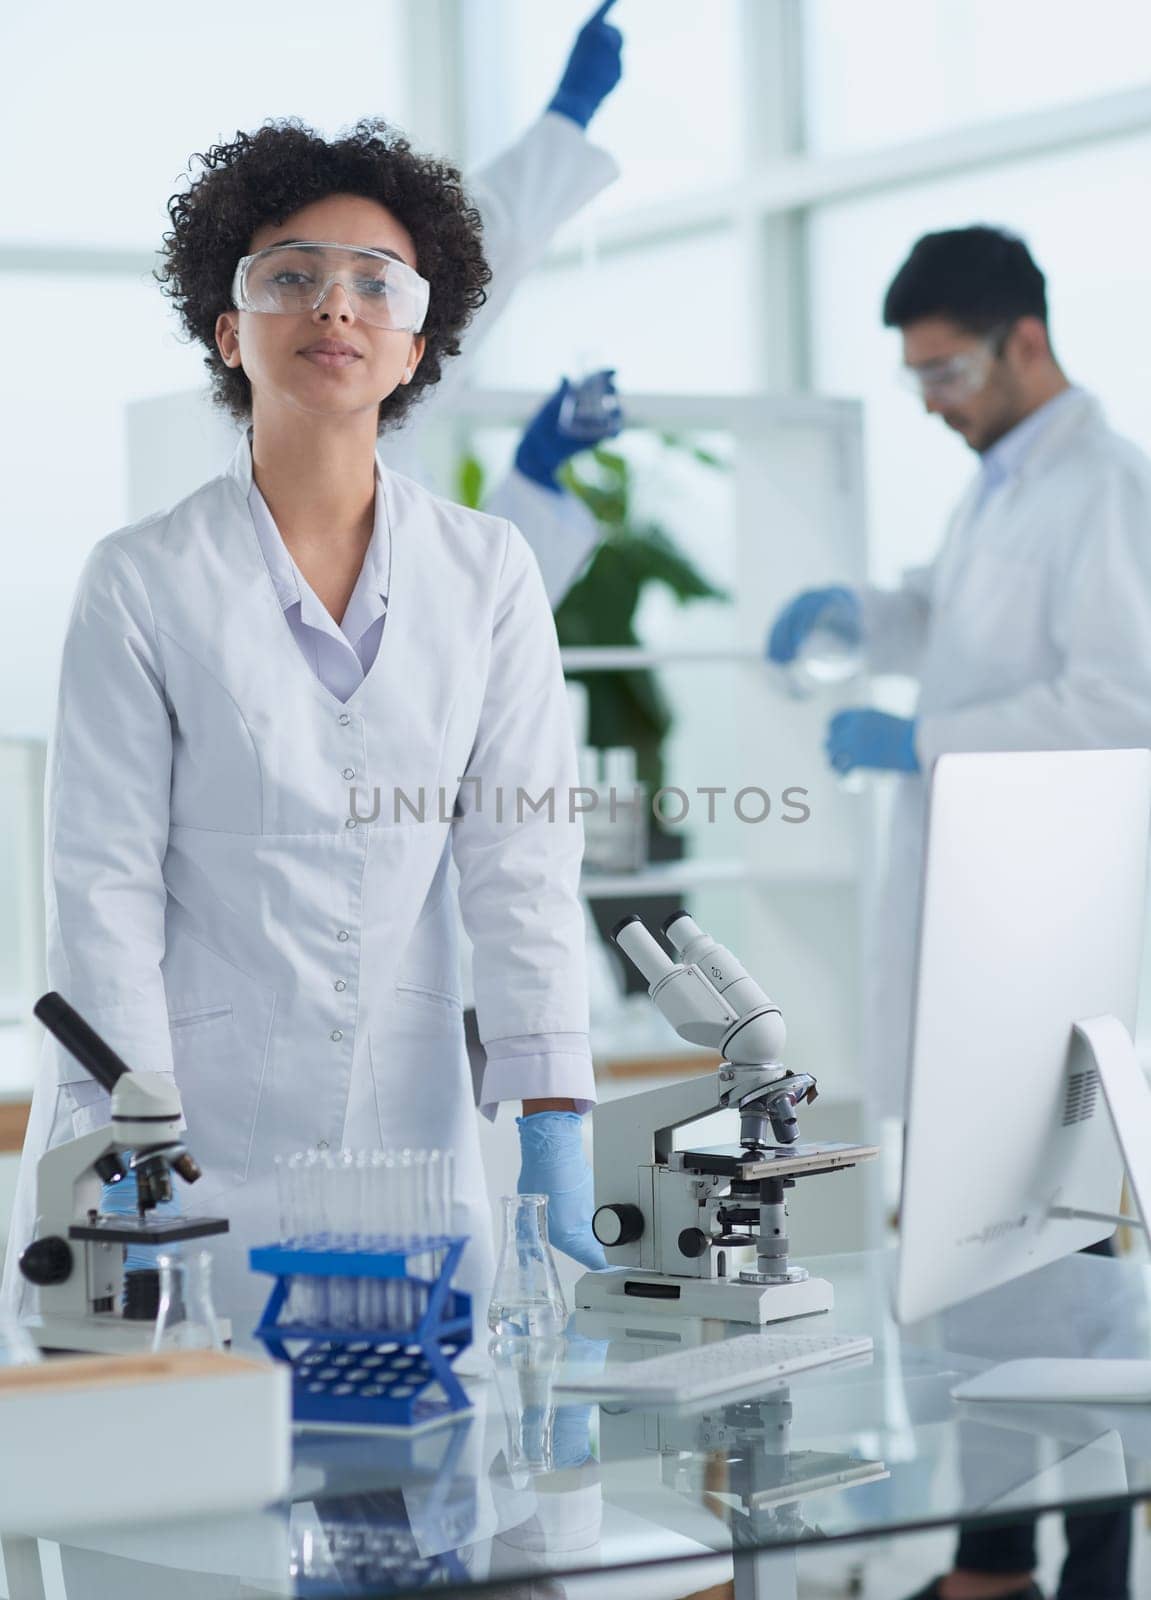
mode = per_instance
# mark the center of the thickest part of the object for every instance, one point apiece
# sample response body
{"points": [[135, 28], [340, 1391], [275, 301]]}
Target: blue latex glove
{"points": [[122, 1200], [593, 69], [868, 738], [545, 445], [552, 1162], [836, 608]]}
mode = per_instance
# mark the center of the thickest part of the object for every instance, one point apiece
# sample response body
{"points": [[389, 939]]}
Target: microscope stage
{"points": [[781, 1161], [167, 1230]]}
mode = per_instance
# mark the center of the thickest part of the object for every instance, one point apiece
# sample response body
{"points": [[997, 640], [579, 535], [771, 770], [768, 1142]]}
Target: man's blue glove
{"points": [[546, 445], [835, 608], [868, 738], [593, 69], [122, 1200], [552, 1162]]}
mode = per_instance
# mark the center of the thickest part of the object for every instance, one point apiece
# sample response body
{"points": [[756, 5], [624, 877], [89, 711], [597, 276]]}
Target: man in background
{"points": [[1030, 630]]}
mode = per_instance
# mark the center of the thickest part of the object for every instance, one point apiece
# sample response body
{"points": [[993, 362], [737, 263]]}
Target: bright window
{"points": [[675, 121], [889, 70]]}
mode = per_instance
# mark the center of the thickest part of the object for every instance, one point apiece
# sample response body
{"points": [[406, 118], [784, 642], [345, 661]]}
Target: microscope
{"points": [[704, 1232], [76, 1257]]}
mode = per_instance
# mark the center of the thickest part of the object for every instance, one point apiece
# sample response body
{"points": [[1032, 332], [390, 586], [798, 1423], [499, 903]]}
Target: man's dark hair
{"points": [[979, 277], [266, 176]]}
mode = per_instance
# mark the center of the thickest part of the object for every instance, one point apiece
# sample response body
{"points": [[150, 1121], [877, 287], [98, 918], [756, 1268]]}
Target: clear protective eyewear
{"points": [[296, 277], [957, 377]]}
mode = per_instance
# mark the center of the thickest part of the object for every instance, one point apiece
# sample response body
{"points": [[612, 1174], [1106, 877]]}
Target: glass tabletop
{"points": [[532, 1482]]}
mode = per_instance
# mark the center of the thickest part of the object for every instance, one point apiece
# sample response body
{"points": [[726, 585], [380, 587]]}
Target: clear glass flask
{"points": [[187, 1316], [827, 657], [527, 1300], [591, 409]]}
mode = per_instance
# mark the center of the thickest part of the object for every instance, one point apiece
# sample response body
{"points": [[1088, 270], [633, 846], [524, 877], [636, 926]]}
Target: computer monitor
{"points": [[1022, 1065]]}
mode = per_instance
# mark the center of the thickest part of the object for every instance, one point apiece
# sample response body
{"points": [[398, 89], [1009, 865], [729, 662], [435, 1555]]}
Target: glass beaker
{"points": [[186, 1319], [527, 1300], [830, 653]]}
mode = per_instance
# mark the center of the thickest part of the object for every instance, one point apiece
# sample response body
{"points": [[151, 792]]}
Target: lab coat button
{"points": [[343, 936], [349, 772], [337, 1034], [340, 985], [344, 719], [349, 822]]}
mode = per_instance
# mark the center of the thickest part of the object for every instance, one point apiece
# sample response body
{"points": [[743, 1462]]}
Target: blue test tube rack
{"points": [[369, 1377]]}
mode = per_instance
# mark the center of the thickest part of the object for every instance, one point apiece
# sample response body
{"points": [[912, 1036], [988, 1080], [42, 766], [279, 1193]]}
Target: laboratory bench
{"points": [[534, 1493]]}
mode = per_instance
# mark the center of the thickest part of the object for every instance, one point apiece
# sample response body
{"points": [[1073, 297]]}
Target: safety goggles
{"points": [[296, 277], [958, 377]]}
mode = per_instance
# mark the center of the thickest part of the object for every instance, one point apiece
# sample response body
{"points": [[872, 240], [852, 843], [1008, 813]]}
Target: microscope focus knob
{"points": [[47, 1261], [620, 1224]]}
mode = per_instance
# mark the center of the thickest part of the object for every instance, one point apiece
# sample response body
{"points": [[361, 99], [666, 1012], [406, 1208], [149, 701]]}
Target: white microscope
{"points": [[704, 1232], [76, 1257]]}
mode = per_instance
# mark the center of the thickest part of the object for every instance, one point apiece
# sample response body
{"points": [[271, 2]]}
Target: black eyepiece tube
{"points": [[80, 1040]]}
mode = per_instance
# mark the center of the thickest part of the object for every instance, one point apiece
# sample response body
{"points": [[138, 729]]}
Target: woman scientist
{"points": [[286, 702]]}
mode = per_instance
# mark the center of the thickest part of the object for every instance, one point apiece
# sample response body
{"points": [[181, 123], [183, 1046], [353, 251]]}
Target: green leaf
{"points": [[470, 482]]}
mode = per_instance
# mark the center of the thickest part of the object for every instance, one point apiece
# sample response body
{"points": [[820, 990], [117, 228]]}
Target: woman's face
{"points": [[276, 351]]}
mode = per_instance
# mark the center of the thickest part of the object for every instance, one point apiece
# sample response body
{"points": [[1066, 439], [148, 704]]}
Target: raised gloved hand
{"points": [[122, 1200], [869, 738], [552, 1162], [593, 68], [546, 444], [835, 608]]}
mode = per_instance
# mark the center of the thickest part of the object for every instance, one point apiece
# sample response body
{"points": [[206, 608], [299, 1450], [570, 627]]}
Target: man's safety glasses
{"points": [[296, 277], [957, 377]]}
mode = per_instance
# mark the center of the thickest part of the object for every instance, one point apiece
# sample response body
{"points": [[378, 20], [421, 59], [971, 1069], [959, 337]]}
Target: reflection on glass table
{"points": [[525, 1486]]}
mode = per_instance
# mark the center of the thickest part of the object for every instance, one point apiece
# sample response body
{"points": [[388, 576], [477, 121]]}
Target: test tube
{"points": [[344, 1213], [315, 1168], [440, 1195], [367, 1289], [404, 1226]]}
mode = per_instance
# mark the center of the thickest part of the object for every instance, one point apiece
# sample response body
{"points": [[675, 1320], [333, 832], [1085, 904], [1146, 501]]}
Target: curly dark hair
{"points": [[266, 176]]}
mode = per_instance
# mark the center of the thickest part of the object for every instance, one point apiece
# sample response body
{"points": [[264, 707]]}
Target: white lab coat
{"points": [[1030, 631], [212, 913], [528, 191]]}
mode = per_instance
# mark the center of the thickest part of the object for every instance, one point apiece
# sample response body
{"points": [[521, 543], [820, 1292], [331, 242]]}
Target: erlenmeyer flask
{"points": [[187, 1316], [526, 1299]]}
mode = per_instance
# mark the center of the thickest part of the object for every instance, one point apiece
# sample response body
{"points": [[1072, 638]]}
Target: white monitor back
{"points": [[1032, 919]]}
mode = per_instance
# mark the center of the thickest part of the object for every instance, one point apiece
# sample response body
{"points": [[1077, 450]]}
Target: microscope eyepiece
{"points": [[622, 924]]}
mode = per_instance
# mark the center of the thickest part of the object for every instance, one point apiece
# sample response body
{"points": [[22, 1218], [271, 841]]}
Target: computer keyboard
{"points": [[710, 1369]]}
